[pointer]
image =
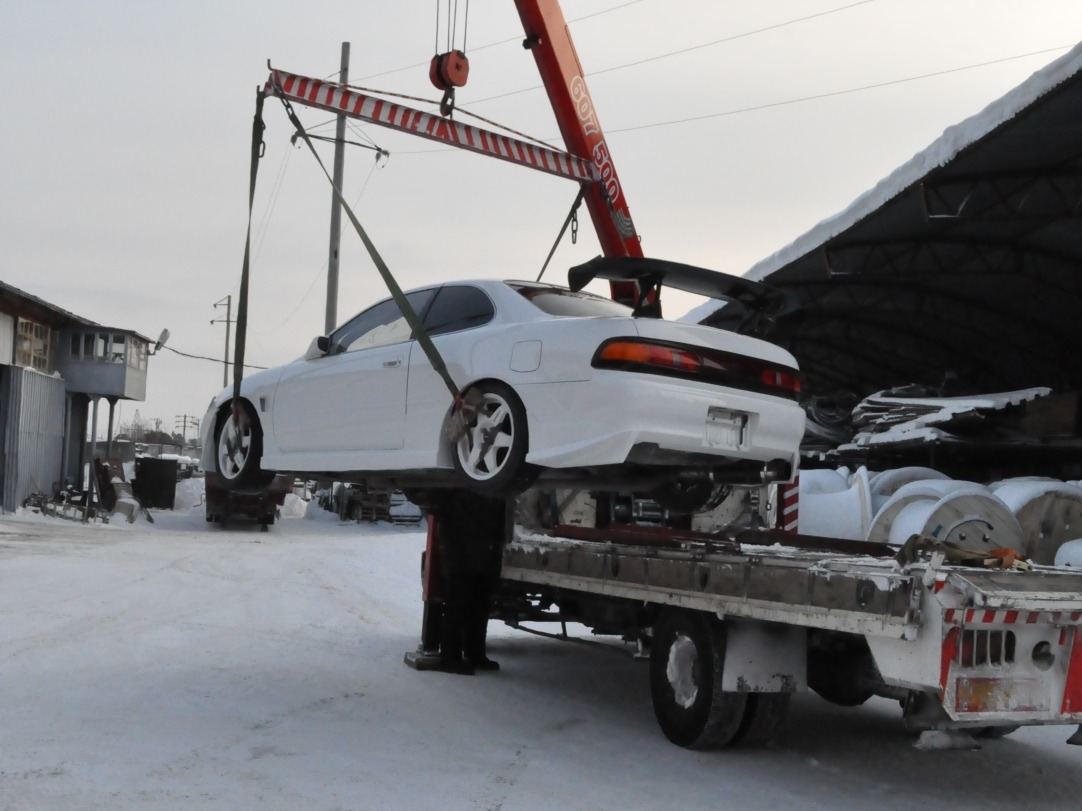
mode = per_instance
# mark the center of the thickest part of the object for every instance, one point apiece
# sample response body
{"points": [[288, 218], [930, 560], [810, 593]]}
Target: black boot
{"points": [[484, 663], [463, 667]]}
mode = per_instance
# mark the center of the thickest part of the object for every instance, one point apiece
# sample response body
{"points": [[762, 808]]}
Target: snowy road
{"points": [[183, 666]]}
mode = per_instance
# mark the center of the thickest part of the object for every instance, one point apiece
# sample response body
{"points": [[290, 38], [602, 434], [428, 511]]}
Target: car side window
{"points": [[458, 307], [381, 325]]}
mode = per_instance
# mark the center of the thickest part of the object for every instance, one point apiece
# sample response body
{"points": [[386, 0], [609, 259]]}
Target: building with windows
{"points": [[55, 367]]}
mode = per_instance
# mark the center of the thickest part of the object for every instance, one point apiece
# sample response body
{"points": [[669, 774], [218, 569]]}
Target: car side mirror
{"points": [[318, 348]]}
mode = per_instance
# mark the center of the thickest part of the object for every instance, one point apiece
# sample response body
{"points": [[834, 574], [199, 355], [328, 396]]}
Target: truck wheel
{"points": [[763, 719], [238, 447], [838, 675], [989, 733], [490, 454], [686, 658]]}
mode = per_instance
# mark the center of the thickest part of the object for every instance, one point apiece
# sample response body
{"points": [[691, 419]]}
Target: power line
{"points": [[816, 97], [690, 48], [323, 267], [731, 38], [204, 357], [517, 38], [836, 92]]}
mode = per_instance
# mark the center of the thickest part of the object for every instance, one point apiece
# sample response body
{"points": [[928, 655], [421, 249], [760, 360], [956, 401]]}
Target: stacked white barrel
{"points": [[1033, 516]]}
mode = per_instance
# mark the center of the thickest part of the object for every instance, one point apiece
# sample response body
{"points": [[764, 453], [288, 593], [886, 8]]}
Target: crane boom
{"points": [[587, 159], [548, 39], [352, 103]]}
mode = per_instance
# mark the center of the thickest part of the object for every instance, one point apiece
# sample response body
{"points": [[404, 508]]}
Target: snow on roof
{"points": [[941, 151]]}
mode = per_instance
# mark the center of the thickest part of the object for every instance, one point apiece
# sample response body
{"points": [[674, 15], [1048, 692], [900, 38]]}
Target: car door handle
{"points": [[390, 364]]}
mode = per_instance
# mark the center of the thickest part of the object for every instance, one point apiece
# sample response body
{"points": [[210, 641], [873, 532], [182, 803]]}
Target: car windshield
{"points": [[560, 301]]}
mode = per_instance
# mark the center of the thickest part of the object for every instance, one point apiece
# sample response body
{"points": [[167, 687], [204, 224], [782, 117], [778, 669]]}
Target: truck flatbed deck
{"points": [[962, 647]]}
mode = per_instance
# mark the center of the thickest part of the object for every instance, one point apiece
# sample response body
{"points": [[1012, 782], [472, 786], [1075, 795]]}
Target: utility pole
{"points": [[228, 302], [331, 319], [184, 420]]}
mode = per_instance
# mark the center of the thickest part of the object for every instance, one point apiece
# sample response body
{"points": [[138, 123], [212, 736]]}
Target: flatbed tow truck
{"points": [[736, 621], [258, 503]]}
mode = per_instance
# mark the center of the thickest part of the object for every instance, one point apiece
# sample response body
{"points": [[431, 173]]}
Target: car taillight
{"points": [[698, 363], [781, 379], [640, 353]]}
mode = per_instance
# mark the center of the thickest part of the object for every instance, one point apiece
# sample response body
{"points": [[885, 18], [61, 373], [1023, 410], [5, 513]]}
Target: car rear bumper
{"points": [[600, 422]]}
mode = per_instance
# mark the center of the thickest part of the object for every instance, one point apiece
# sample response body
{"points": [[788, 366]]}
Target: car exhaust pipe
{"points": [[776, 470]]}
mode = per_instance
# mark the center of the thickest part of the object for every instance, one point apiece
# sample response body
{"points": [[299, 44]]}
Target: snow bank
{"points": [[165, 669]]}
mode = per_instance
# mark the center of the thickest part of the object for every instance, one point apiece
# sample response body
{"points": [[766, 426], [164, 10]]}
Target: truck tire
{"points": [[991, 733], [837, 675], [686, 658], [763, 719]]}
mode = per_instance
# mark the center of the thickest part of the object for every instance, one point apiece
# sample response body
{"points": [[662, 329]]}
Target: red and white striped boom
{"points": [[336, 98]]}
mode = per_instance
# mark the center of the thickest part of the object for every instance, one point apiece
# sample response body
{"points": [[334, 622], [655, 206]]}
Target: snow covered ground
{"points": [[179, 665]]}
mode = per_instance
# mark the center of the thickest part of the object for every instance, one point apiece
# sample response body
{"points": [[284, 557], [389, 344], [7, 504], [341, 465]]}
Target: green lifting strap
{"points": [[399, 297], [242, 308]]}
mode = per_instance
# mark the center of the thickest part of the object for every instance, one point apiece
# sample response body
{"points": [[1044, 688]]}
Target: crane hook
{"points": [[446, 72]]}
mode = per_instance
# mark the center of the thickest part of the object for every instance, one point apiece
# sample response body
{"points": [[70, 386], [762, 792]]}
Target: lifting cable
{"points": [[573, 221], [452, 24], [462, 408], [450, 69]]}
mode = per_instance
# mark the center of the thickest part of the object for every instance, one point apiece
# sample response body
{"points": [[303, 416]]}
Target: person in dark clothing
{"points": [[471, 532]]}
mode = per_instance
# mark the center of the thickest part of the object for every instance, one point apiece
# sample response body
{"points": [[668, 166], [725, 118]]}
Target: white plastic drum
{"points": [[886, 484], [1049, 512], [828, 510], [977, 520], [881, 529], [910, 519], [970, 517], [822, 481], [1070, 554]]}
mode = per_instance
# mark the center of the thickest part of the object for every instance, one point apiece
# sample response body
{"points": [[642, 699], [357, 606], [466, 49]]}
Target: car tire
{"points": [[239, 448], [687, 654], [490, 454]]}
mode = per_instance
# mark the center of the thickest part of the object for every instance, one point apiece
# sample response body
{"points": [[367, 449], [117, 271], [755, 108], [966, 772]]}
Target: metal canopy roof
{"points": [[964, 264]]}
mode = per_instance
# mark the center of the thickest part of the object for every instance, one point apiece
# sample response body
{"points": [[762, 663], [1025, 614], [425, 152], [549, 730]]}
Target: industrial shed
{"points": [[54, 367], [960, 273]]}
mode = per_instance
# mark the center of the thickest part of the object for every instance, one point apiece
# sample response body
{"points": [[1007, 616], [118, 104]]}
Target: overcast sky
{"points": [[735, 127]]}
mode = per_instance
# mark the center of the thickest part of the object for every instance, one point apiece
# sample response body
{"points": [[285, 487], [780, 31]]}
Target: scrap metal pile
{"points": [[1014, 433]]}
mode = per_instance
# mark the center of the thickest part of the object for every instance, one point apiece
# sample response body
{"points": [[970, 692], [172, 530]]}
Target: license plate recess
{"points": [[725, 428]]}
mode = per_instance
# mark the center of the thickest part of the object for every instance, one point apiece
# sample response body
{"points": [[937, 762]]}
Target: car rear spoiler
{"points": [[753, 296]]}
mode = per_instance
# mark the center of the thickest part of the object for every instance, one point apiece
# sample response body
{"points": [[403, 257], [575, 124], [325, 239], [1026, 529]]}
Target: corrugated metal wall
{"points": [[32, 408], [7, 338]]}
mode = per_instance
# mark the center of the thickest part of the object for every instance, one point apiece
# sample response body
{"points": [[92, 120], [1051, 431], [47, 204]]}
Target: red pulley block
{"points": [[449, 70], [434, 73]]}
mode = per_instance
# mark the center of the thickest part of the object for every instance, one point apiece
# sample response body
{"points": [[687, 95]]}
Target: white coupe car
{"points": [[568, 386]]}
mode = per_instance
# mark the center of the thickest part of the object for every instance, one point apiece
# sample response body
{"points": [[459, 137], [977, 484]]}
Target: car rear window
{"points": [[560, 301]]}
